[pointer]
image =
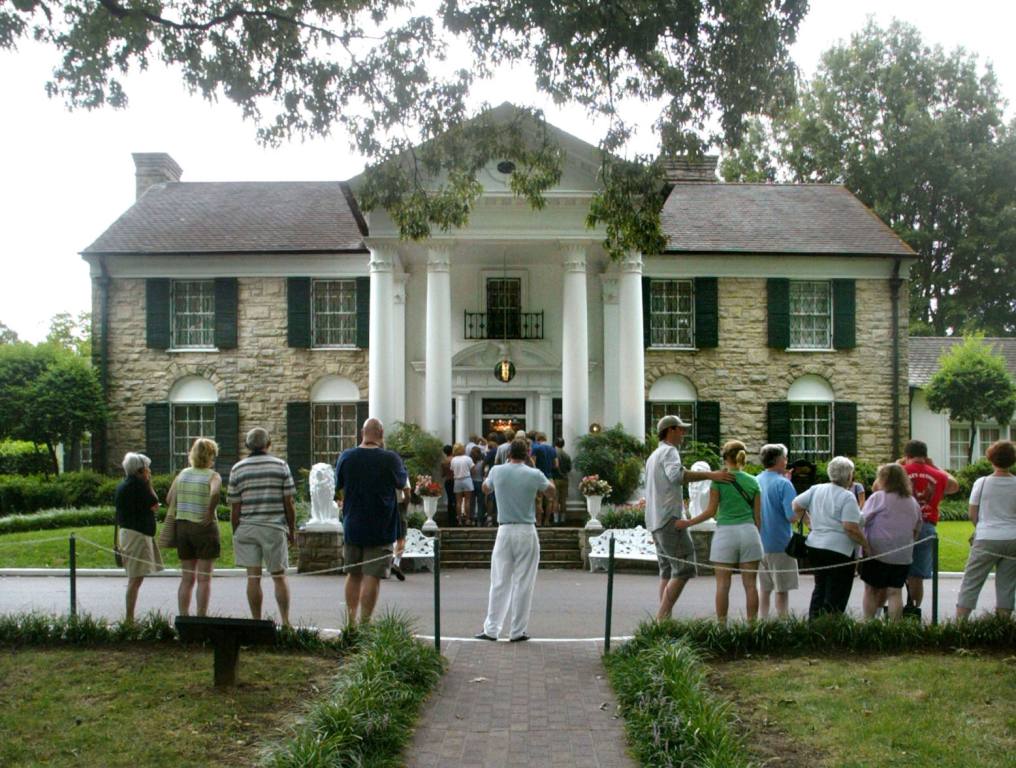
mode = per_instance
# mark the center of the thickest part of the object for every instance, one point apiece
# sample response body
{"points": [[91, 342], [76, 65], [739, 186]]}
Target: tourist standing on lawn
{"points": [[665, 507], [993, 513], [195, 492], [136, 504], [561, 473], [892, 520], [516, 556], [778, 570], [737, 506], [264, 520], [834, 519], [372, 479], [930, 484]]}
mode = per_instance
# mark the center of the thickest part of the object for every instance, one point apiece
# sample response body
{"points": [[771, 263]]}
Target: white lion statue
{"points": [[324, 512], [698, 495]]}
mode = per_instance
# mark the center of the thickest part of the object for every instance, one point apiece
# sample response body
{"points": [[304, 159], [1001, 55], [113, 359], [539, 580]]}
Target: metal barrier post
{"points": [[610, 596], [74, 576], [934, 580], [437, 594]]}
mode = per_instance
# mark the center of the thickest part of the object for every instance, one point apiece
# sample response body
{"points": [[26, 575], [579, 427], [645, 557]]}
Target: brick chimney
{"points": [[685, 169], [153, 168]]}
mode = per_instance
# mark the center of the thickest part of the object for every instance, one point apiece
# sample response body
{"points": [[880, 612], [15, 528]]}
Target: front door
{"points": [[503, 413]]}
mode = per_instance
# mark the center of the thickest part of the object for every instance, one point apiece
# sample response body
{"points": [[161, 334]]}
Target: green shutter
{"points": [[707, 416], [707, 313], [362, 414], [157, 298], [157, 436], [778, 422], [778, 293], [298, 303], [844, 314], [225, 312], [647, 312], [227, 435], [298, 437], [845, 429], [363, 312]]}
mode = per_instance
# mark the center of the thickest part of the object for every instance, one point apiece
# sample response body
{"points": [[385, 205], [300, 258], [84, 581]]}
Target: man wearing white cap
{"points": [[665, 477]]}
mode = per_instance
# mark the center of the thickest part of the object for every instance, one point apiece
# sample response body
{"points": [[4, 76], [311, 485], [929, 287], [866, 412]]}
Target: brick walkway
{"points": [[541, 705]]}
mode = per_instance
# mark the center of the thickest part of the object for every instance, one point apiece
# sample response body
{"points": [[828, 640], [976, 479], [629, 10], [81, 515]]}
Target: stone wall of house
{"points": [[743, 374], [262, 374]]}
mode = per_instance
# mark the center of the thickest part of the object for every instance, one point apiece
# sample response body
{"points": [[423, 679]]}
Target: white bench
{"points": [[419, 549], [629, 544]]}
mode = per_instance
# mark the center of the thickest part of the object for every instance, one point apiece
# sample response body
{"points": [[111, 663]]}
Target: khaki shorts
{"points": [[141, 555], [257, 546], [381, 557], [672, 543], [197, 541], [768, 581]]}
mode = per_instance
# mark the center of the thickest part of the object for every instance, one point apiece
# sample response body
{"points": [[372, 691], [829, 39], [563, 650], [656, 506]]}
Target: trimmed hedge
{"points": [[966, 477], [20, 457], [64, 518]]}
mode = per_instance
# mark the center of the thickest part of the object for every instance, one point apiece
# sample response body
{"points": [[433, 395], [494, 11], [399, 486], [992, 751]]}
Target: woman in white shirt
{"points": [[993, 512], [462, 467]]}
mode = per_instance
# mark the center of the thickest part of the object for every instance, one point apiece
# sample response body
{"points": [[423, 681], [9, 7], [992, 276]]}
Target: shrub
{"points": [[693, 450], [966, 477], [420, 450], [615, 456], [27, 494], [415, 519], [624, 516], [20, 457], [57, 518], [954, 509]]}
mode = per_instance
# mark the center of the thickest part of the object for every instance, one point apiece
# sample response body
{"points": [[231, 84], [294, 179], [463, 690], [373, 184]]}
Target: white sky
{"points": [[69, 175]]}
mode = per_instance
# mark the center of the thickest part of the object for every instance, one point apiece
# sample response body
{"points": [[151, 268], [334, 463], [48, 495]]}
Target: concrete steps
{"points": [[472, 547]]}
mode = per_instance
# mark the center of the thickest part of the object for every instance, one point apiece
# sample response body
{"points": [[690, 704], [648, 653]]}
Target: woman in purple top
{"points": [[892, 520]]}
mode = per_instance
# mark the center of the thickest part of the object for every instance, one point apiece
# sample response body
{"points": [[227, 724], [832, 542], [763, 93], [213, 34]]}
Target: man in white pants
{"points": [[516, 556]]}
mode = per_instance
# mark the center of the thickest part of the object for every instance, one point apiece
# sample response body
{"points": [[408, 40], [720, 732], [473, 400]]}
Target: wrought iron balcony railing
{"points": [[504, 325]]}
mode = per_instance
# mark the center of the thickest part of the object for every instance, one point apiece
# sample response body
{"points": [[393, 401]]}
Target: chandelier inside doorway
{"points": [[504, 371]]}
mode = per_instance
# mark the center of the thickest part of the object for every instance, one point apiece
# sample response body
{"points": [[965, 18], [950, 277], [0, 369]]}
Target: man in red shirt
{"points": [[930, 485]]}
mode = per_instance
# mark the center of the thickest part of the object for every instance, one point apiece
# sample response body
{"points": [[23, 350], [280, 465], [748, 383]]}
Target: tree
{"points": [[47, 396], [972, 383], [72, 333], [383, 72], [7, 335], [919, 136]]}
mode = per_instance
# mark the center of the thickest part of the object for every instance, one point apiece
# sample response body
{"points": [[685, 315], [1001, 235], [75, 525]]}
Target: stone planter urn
{"points": [[429, 509], [594, 504]]}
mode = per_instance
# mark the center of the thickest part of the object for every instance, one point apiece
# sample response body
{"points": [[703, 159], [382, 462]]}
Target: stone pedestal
{"points": [[318, 551]]}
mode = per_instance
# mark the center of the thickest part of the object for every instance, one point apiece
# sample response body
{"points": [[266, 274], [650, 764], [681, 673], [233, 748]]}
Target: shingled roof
{"points": [[925, 351], [238, 217], [774, 219]]}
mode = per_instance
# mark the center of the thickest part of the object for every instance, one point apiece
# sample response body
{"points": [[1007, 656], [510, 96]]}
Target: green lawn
{"points": [[147, 706], [912, 711], [954, 544]]}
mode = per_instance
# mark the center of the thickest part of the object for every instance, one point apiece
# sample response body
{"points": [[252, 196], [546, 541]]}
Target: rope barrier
{"points": [[23, 543]]}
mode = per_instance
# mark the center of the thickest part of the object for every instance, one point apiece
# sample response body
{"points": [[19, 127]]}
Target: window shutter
{"points": [[845, 429], [298, 303], [650, 427], [778, 293], [647, 312], [157, 312], [707, 313], [227, 435], [362, 414], [157, 436], [363, 312], [778, 422], [298, 438], [707, 414], [844, 314], [225, 312]]}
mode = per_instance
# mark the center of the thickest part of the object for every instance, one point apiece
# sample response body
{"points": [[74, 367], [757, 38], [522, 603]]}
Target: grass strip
{"points": [[671, 717], [367, 718]]}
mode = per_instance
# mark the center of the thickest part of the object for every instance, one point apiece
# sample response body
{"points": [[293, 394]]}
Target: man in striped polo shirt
{"points": [[264, 519]]}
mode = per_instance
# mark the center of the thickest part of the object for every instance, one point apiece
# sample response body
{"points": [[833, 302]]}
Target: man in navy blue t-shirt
{"points": [[371, 479], [545, 458]]}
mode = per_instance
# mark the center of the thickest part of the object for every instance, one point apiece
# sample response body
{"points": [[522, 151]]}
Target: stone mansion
{"points": [[776, 313]]}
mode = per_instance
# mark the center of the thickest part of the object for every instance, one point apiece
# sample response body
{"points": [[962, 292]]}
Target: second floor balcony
{"points": [[527, 326]]}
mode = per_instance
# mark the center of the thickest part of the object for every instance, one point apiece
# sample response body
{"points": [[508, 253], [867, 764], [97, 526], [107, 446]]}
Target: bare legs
{"points": [[254, 596], [782, 604], [199, 571], [670, 590], [133, 585], [464, 507], [724, 575], [361, 594], [876, 597], [915, 588]]}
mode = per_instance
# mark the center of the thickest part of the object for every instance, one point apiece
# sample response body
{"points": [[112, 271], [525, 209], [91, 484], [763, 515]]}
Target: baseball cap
{"points": [[671, 421]]}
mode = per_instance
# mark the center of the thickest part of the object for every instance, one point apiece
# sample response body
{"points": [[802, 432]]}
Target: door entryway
{"points": [[503, 413]]}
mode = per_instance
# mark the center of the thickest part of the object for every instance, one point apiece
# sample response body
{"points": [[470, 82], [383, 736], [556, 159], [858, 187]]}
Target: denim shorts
{"points": [[921, 566]]}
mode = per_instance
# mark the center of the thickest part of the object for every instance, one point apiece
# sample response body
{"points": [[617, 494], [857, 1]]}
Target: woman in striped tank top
{"points": [[196, 493]]}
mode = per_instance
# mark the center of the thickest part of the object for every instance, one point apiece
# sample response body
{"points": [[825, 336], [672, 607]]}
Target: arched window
{"points": [[671, 395], [333, 417], [811, 418], [192, 402]]}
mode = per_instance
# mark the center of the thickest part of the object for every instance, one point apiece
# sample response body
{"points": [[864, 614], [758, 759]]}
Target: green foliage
{"points": [[966, 477], [973, 384], [71, 489], [20, 457], [416, 519], [8, 335], [953, 510], [50, 519], [920, 136], [72, 333], [693, 450], [615, 456], [420, 450], [623, 517], [368, 716]]}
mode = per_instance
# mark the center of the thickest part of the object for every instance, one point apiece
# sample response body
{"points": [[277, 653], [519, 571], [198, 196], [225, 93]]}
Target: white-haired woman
{"points": [[834, 519], [136, 504]]}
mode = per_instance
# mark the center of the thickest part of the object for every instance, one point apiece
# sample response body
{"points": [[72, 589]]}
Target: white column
{"points": [[399, 348], [462, 429], [611, 364], [574, 347], [437, 417], [545, 414], [381, 373], [631, 379]]}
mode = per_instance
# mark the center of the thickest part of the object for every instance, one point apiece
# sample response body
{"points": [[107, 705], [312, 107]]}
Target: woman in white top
{"points": [[462, 467], [993, 512]]}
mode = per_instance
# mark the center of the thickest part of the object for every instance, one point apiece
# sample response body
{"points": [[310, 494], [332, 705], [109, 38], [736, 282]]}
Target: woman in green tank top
{"points": [[736, 543], [195, 494]]}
